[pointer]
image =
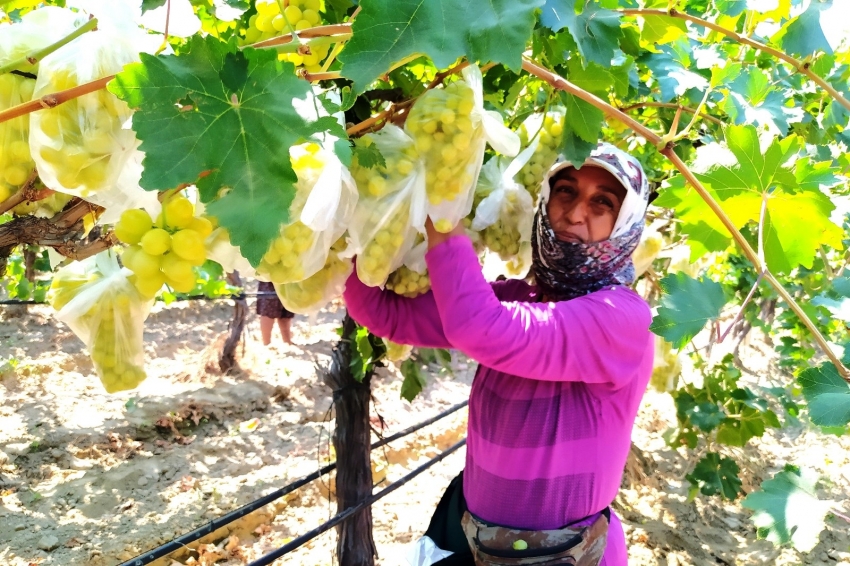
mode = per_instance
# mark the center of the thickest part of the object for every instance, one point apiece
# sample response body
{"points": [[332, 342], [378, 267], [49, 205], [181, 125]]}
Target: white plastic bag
{"points": [[36, 30], [325, 199], [543, 133], [80, 147], [392, 206], [505, 214], [97, 300], [451, 128], [425, 552], [310, 295], [221, 251], [411, 279]]}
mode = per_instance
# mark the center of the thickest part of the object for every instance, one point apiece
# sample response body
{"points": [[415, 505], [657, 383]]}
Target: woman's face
{"points": [[584, 204]]}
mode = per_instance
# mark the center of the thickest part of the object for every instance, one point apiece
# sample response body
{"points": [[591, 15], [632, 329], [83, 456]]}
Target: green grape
{"points": [[178, 212], [283, 263], [148, 286], [132, 225], [156, 242], [532, 173], [16, 163], [667, 366], [381, 252], [178, 272], [442, 128], [144, 264], [189, 245], [408, 283], [202, 226]]}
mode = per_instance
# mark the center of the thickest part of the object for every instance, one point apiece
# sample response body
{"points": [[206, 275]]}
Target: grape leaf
{"points": [[387, 31], [596, 30], [152, 4], [582, 118], [592, 77], [827, 394], [706, 232], [752, 100], [662, 29], [414, 382], [716, 474], [787, 509], [369, 156], [730, 8], [222, 137], [804, 35], [674, 78], [750, 423], [574, 149], [687, 304]]}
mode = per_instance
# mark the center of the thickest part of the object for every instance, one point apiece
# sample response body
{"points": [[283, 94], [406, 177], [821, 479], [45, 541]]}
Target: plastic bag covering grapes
{"points": [[128, 193], [310, 295], [81, 146], [392, 206], [95, 298], [397, 352], [221, 251], [451, 128], [411, 279], [324, 203], [505, 214], [36, 30], [543, 132]]}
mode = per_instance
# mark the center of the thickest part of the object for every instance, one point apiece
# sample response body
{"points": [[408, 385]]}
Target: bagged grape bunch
{"points": [[505, 213], [324, 202], [411, 279], [392, 206], [166, 250], [81, 146], [542, 132], [311, 294], [95, 298], [36, 30], [450, 128]]}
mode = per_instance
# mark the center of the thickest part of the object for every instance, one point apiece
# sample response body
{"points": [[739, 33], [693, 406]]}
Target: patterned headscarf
{"points": [[565, 270]]}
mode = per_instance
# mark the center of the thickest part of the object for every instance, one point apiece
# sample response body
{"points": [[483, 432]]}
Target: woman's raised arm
{"points": [[402, 320], [599, 338]]}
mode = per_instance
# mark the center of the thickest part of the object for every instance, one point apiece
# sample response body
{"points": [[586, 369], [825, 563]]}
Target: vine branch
{"points": [[673, 106], [801, 66], [54, 99], [36, 56], [27, 192], [563, 84]]}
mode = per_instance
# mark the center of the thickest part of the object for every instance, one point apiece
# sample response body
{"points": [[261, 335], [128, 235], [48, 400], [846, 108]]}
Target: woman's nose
{"points": [[577, 213]]}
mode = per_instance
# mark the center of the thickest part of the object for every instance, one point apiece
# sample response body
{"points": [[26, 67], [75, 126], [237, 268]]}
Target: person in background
{"points": [[564, 363], [270, 310]]}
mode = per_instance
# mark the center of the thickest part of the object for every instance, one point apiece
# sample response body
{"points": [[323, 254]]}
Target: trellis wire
{"points": [[181, 541]]}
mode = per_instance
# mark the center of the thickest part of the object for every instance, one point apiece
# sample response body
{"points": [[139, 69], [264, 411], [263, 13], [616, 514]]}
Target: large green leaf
{"points": [[751, 99], [413, 382], [595, 30], [659, 30], [706, 232], [803, 35], [672, 74], [715, 474], [387, 31], [687, 304], [582, 118], [787, 509], [224, 120], [827, 395]]}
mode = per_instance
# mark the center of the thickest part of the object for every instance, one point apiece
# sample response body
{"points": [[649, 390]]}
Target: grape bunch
{"points": [[16, 163], [165, 251], [381, 228], [109, 325], [532, 173], [667, 366], [647, 250], [408, 283], [78, 139], [444, 132], [297, 15], [43, 208], [291, 256], [396, 352], [311, 294]]}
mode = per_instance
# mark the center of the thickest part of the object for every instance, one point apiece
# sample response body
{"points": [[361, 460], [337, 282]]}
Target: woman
{"points": [[563, 363], [270, 309]]}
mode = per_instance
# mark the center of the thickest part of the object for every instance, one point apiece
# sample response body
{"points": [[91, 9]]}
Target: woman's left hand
{"points": [[436, 238]]}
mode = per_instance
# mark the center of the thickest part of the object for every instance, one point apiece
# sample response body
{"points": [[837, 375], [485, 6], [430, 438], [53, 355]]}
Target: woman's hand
{"points": [[436, 238]]}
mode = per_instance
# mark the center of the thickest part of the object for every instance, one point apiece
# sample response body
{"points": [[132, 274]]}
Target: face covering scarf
{"points": [[565, 270]]}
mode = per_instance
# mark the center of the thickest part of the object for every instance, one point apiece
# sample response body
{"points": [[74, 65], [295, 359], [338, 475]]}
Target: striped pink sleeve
{"points": [[598, 338], [402, 320]]}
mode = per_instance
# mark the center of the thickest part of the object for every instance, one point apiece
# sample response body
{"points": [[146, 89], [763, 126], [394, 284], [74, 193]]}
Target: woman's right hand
{"points": [[436, 238]]}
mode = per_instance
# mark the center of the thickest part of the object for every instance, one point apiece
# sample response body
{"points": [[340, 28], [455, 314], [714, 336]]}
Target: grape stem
{"points": [[36, 56], [339, 31], [54, 99], [673, 106], [803, 67], [563, 84]]}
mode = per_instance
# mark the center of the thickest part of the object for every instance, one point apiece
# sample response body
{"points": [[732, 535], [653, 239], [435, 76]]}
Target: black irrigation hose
{"points": [[212, 526], [340, 517]]}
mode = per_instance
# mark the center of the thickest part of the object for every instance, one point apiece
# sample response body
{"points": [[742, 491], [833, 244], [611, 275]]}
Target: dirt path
{"points": [[88, 478]]}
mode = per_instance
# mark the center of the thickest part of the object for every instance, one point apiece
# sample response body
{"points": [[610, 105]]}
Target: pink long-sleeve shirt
{"points": [[556, 393]]}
